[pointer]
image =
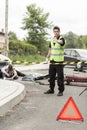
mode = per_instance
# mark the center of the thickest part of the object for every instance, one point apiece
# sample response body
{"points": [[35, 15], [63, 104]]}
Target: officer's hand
{"points": [[55, 40]]}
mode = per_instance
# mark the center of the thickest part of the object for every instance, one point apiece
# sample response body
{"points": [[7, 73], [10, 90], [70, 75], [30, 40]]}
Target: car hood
{"points": [[84, 58], [4, 58]]}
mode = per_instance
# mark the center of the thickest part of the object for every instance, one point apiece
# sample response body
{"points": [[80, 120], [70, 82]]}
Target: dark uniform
{"points": [[56, 67]]}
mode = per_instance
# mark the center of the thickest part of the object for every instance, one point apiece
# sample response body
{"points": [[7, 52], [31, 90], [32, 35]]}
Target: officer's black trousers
{"points": [[53, 70]]}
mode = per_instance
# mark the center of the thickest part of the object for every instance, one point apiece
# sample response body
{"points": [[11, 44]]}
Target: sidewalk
{"points": [[11, 93]]}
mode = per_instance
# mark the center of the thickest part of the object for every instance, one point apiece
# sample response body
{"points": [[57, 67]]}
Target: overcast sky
{"points": [[70, 15]]}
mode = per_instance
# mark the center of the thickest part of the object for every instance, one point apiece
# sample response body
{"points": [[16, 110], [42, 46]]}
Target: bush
{"points": [[20, 47]]}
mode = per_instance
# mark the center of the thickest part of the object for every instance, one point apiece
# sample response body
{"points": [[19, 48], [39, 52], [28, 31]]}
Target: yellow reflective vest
{"points": [[57, 52]]}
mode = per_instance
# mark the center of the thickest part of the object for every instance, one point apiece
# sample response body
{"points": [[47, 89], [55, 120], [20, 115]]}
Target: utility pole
{"points": [[6, 46]]}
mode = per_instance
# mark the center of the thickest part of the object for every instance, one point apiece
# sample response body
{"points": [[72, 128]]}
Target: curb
{"points": [[10, 96]]}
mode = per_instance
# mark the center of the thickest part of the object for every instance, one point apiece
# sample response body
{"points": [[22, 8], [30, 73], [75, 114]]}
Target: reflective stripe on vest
{"points": [[57, 52]]}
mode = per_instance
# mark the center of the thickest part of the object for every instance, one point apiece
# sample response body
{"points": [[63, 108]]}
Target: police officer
{"points": [[56, 55]]}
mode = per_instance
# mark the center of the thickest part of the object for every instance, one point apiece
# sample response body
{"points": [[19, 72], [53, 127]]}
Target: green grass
{"points": [[28, 58]]}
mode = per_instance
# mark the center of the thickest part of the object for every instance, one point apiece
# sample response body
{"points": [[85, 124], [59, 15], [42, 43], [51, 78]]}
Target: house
{"points": [[2, 40]]}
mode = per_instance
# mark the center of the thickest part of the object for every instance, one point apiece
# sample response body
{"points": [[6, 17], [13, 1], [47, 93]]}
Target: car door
{"points": [[71, 56], [67, 55], [74, 56]]}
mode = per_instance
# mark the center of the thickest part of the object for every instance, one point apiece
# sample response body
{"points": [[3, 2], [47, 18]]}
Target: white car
{"points": [[4, 60]]}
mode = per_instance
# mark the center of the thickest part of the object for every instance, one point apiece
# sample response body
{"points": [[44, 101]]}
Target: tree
{"points": [[80, 42], [71, 40], [35, 22], [12, 36], [84, 41]]}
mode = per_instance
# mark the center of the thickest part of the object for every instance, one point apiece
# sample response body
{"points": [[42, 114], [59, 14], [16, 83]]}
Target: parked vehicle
{"points": [[76, 55], [4, 60]]}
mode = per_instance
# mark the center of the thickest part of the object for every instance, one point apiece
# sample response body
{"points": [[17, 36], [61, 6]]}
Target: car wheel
{"points": [[78, 67]]}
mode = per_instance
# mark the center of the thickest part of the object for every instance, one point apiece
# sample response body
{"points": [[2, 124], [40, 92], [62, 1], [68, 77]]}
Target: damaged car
{"points": [[78, 56]]}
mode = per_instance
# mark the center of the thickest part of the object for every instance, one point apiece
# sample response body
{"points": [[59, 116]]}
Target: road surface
{"points": [[38, 111]]}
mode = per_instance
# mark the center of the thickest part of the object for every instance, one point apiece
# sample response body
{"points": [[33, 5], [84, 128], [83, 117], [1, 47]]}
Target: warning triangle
{"points": [[70, 111]]}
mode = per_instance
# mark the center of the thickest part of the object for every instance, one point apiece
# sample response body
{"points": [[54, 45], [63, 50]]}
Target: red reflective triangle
{"points": [[70, 111]]}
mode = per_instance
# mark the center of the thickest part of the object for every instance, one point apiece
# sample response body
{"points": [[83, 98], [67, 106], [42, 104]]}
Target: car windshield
{"points": [[83, 53]]}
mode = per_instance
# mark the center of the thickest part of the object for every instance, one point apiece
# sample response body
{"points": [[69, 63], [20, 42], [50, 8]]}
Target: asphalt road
{"points": [[39, 111]]}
